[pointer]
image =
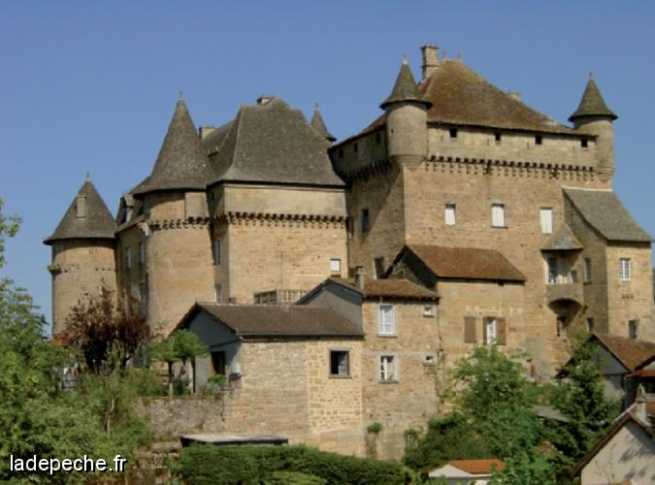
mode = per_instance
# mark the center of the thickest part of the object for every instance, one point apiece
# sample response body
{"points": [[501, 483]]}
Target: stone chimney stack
{"points": [[430, 59], [359, 277]]}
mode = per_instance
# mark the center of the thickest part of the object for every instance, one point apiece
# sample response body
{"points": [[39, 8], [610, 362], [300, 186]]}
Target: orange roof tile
{"points": [[479, 467]]}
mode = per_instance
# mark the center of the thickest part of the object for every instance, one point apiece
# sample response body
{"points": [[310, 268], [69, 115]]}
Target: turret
{"points": [[319, 125], [176, 243], [83, 258], [406, 119], [595, 118]]}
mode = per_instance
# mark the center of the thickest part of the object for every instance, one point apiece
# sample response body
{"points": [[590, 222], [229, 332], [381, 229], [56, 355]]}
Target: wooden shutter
{"points": [[470, 336], [501, 331]]}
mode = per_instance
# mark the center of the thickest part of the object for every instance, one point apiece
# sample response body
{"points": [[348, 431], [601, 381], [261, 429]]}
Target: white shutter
{"points": [[498, 215], [546, 220], [449, 215]]}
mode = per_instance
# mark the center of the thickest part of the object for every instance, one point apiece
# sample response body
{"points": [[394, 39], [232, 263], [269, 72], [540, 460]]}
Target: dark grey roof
{"points": [[592, 104], [603, 211], [405, 89], [562, 239], [182, 163], [271, 143], [319, 125], [277, 321], [97, 224]]}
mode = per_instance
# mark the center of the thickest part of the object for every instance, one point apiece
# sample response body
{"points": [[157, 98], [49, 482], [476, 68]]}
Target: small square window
{"points": [[339, 363], [453, 132], [365, 221], [428, 310], [335, 266], [538, 140], [388, 369], [584, 143], [498, 137], [633, 329]]}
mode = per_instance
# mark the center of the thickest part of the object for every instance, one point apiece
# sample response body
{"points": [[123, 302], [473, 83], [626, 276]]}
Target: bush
{"points": [[294, 478], [204, 464]]}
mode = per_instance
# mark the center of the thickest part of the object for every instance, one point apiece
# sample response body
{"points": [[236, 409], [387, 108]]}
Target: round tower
{"points": [[593, 117], [83, 259], [406, 119], [177, 247]]}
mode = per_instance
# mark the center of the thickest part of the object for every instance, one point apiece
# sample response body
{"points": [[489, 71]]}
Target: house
{"points": [[467, 472], [625, 454]]}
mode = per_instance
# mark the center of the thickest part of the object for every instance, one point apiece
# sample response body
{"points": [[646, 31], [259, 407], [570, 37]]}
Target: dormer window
{"points": [[80, 206]]}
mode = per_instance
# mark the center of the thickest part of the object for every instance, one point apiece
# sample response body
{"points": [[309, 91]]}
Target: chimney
{"points": [[640, 411], [359, 277], [430, 59], [515, 95], [264, 99]]}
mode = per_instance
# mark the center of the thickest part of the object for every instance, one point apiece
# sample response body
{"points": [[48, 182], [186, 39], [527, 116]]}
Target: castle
{"points": [[459, 217]]}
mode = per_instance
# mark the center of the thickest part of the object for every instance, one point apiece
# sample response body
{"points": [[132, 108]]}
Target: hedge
{"points": [[251, 465]]}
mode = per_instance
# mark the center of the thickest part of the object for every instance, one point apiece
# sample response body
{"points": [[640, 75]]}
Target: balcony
{"points": [[564, 292], [278, 297]]}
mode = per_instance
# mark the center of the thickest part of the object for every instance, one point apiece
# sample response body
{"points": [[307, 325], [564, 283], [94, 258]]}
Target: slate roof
{"points": [[270, 143], [182, 163], [277, 321], [630, 352], [389, 288], [603, 211], [405, 89], [465, 263], [98, 223], [562, 239], [319, 125], [592, 104]]}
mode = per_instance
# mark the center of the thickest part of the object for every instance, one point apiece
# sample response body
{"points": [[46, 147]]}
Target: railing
{"points": [[278, 297]]}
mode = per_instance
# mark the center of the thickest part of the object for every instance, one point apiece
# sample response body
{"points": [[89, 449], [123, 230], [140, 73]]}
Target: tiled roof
{"points": [[562, 239], [181, 163], [277, 320], [603, 210], [592, 104], [466, 263], [97, 224], [389, 288], [319, 125], [405, 89], [479, 467], [630, 352], [270, 143]]}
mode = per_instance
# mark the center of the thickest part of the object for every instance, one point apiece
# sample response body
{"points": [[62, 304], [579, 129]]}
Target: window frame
{"points": [[386, 376], [546, 223], [633, 329], [498, 206], [391, 329], [625, 269], [338, 374], [335, 262], [450, 209]]}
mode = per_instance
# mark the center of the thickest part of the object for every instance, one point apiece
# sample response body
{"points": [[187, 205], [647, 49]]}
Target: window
{"points": [[633, 329], [538, 140], [584, 143], [428, 310], [128, 258], [142, 253], [339, 363], [587, 270], [590, 325], [379, 267], [546, 220], [490, 331], [450, 215], [498, 215], [80, 206], [217, 251], [219, 362], [335, 266], [453, 132], [497, 137], [387, 320], [625, 269], [365, 221], [388, 369], [551, 263]]}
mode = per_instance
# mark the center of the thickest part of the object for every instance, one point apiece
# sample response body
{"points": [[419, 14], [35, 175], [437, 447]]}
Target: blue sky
{"points": [[86, 87]]}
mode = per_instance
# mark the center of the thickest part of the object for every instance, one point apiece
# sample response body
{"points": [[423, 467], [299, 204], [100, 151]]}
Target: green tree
{"points": [[181, 346], [526, 468]]}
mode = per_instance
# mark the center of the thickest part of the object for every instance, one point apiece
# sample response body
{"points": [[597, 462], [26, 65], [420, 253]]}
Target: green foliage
{"points": [[374, 428], [294, 478], [187, 345], [526, 469], [252, 464]]}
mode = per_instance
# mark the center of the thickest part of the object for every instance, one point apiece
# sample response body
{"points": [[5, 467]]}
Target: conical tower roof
{"points": [[319, 125], [592, 104], [86, 218], [405, 89], [181, 163]]}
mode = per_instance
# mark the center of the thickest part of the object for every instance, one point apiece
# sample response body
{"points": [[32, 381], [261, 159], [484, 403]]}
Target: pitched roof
{"points": [[270, 143], [181, 163], [98, 223], [562, 239], [388, 288], [630, 352], [603, 211], [478, 467], [319, 125], [404, 89], [277, 321], [465, 263], [592, 104]]}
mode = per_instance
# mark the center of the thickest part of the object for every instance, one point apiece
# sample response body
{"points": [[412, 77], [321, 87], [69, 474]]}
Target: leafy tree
{"points": [[181, 346], [526, 468]]}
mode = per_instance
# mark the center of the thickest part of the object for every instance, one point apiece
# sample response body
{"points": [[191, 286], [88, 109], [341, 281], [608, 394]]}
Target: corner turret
{"points": [[83, 258], [319, 125], [406, 119], [595, 118]]}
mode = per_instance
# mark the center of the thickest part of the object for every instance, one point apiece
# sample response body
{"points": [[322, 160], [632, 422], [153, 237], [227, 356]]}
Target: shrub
{"points": [[251, 464], [294, 478], [374, 428]]}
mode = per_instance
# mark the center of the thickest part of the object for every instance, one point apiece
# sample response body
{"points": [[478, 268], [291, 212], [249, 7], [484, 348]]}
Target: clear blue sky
{"points": [[90, 86]]}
